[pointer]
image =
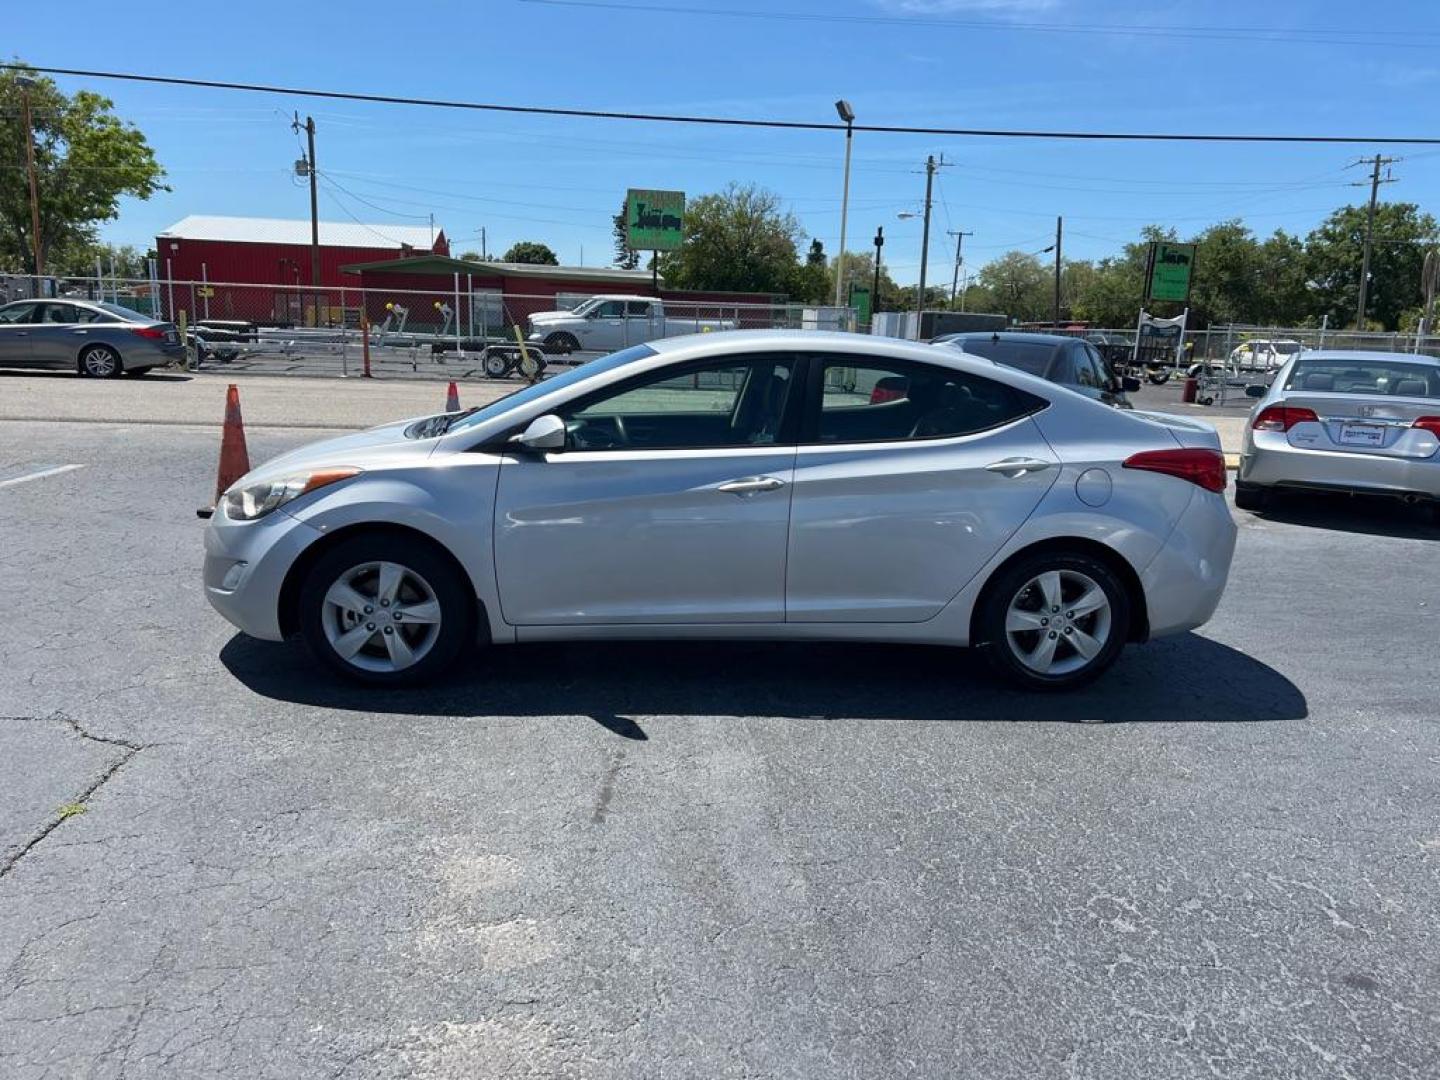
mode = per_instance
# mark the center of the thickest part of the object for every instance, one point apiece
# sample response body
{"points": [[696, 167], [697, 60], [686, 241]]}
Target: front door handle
{"points": [[1017, 466], [751, 484]]}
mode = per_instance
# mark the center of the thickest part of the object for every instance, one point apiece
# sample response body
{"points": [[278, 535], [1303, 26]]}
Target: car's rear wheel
{"points": [[386, 610], [1055, 621], [100, 362], [1249, 497]]}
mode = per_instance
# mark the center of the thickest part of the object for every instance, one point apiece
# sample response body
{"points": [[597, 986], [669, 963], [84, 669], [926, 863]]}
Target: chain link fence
{"points": [[295, 329]]}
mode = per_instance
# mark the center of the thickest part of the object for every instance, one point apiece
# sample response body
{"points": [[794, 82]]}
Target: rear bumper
{"points": [[1285, 466], [1184, 582]]}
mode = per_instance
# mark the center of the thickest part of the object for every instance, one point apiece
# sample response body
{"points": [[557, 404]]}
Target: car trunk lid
{"points": [[1361, 424]]}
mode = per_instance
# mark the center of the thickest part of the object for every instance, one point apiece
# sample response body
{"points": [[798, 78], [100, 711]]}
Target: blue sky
{"points": [[1287, 66]]}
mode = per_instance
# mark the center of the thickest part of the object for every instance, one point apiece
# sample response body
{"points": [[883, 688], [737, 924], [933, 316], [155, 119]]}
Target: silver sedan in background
{"points": [[763, 485], [1351, 422], [94, 338]]}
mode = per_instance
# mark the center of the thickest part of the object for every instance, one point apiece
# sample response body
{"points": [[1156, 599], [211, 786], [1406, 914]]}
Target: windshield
{"points": [[124, 313], [559, 382], [1343, 375], [1028, 356], [585, 306]]}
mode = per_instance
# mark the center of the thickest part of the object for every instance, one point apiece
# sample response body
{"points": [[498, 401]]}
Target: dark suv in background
{"points": [[1071, 362]]}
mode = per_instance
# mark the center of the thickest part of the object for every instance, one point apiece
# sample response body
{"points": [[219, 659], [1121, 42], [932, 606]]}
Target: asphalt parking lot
{"points": [[704, 860]]}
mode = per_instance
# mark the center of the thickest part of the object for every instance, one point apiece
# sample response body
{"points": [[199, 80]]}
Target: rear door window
{"points": [[862, 399]]}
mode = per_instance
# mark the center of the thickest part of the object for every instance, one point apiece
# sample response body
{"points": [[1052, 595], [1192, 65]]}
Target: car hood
{"points": [[362, 449], [551, 316]]}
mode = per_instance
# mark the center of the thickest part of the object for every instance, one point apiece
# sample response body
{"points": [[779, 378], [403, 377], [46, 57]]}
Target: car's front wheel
{"points": [[1055, 620], [387, 610]]}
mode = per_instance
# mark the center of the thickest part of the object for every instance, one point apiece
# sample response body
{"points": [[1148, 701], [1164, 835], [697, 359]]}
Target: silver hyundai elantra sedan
{"points": [[776, 485]]}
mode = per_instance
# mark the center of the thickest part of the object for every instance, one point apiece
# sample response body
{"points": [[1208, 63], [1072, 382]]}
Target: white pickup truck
{"points": [[607, 323]]}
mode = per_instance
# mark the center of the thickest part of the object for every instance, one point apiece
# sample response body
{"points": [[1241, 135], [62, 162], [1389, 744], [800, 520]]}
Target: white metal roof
{"points": [[253, 230]]}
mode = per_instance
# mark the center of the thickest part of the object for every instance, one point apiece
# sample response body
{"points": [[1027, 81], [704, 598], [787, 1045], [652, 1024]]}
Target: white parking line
{"points": [[39, 475]]}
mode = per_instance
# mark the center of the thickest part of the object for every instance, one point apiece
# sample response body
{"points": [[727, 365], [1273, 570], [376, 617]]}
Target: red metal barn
{"points": [[274, 254]]}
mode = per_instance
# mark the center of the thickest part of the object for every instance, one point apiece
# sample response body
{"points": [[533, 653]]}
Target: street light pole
{"points": [[25, 82], [847, 114]]}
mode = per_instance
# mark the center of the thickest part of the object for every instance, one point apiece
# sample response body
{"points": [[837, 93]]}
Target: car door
{"points": [[604, 327], [908, 478], [16, 329], [54, 340], [669, 504]]}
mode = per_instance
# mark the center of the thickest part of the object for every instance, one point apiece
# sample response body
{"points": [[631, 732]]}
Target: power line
{"points": [[731, 121], [1254, 34]]}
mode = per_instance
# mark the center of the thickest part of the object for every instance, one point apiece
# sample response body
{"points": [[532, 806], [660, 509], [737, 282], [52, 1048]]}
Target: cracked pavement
{"points": [[671, 860]]}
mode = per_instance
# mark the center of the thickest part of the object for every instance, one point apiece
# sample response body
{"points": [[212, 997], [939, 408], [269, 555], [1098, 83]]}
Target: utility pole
{"points": [[955, 277], [1059, 236], [309, 127], [25, 82], [875, 283], [1375, 183], [484, 254], [930, 166]]}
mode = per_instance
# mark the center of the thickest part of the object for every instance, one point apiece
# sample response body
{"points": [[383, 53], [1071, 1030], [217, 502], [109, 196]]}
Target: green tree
{"points": [[626, 258], [810, 280], [1019, 286], [860, 271], [79, 261], [738, 240], [86, 159], [1334, 252], [530, 251]]}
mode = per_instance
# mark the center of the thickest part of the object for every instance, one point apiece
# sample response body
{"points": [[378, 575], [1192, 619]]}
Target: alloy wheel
{"points": [[381, 617], [1058, 622], [101, 362]]}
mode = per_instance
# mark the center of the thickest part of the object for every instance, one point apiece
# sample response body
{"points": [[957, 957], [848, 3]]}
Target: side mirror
{"points": [[1256, 390], [544, 433], [1130, 384]]}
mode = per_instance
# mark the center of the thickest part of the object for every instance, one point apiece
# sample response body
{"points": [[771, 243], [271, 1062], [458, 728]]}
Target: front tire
{"points": [[101, 362], [562, 343], [386, 610], [1054, 621]]}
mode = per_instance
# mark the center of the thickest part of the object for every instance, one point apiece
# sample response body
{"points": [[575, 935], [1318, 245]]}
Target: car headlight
{"points": [[251, 501]]}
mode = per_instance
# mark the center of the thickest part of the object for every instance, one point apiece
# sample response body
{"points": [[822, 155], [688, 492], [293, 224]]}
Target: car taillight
{"points": [[1203, 467], [1428, 423], [154, 332], [1282, 418], [882, 394]]}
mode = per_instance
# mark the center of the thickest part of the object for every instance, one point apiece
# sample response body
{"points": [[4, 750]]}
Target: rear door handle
{"points": [[1017, 466], [749, 484]]}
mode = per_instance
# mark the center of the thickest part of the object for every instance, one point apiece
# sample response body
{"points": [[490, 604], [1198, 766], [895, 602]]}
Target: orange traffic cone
{"points": [[234, 457], [452, 398]]}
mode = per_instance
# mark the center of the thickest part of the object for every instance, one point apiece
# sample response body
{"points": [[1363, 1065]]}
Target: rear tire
{"points": [[1054, 621], [355, 601], [1252, 498], [101, 362]]}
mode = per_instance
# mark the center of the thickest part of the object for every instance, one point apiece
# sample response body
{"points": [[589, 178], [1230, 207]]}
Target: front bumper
{"points": [[1184, 582], [245, 566], [1268, 460]]}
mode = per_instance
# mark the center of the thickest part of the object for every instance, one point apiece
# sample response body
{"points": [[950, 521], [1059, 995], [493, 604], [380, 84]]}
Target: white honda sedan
{"points": [[777, 485]]}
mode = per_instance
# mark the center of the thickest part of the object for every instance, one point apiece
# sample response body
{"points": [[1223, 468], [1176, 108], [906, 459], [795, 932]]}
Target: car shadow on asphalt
{"points": [[1365, 515], [1187, 678], [151, 376]]}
